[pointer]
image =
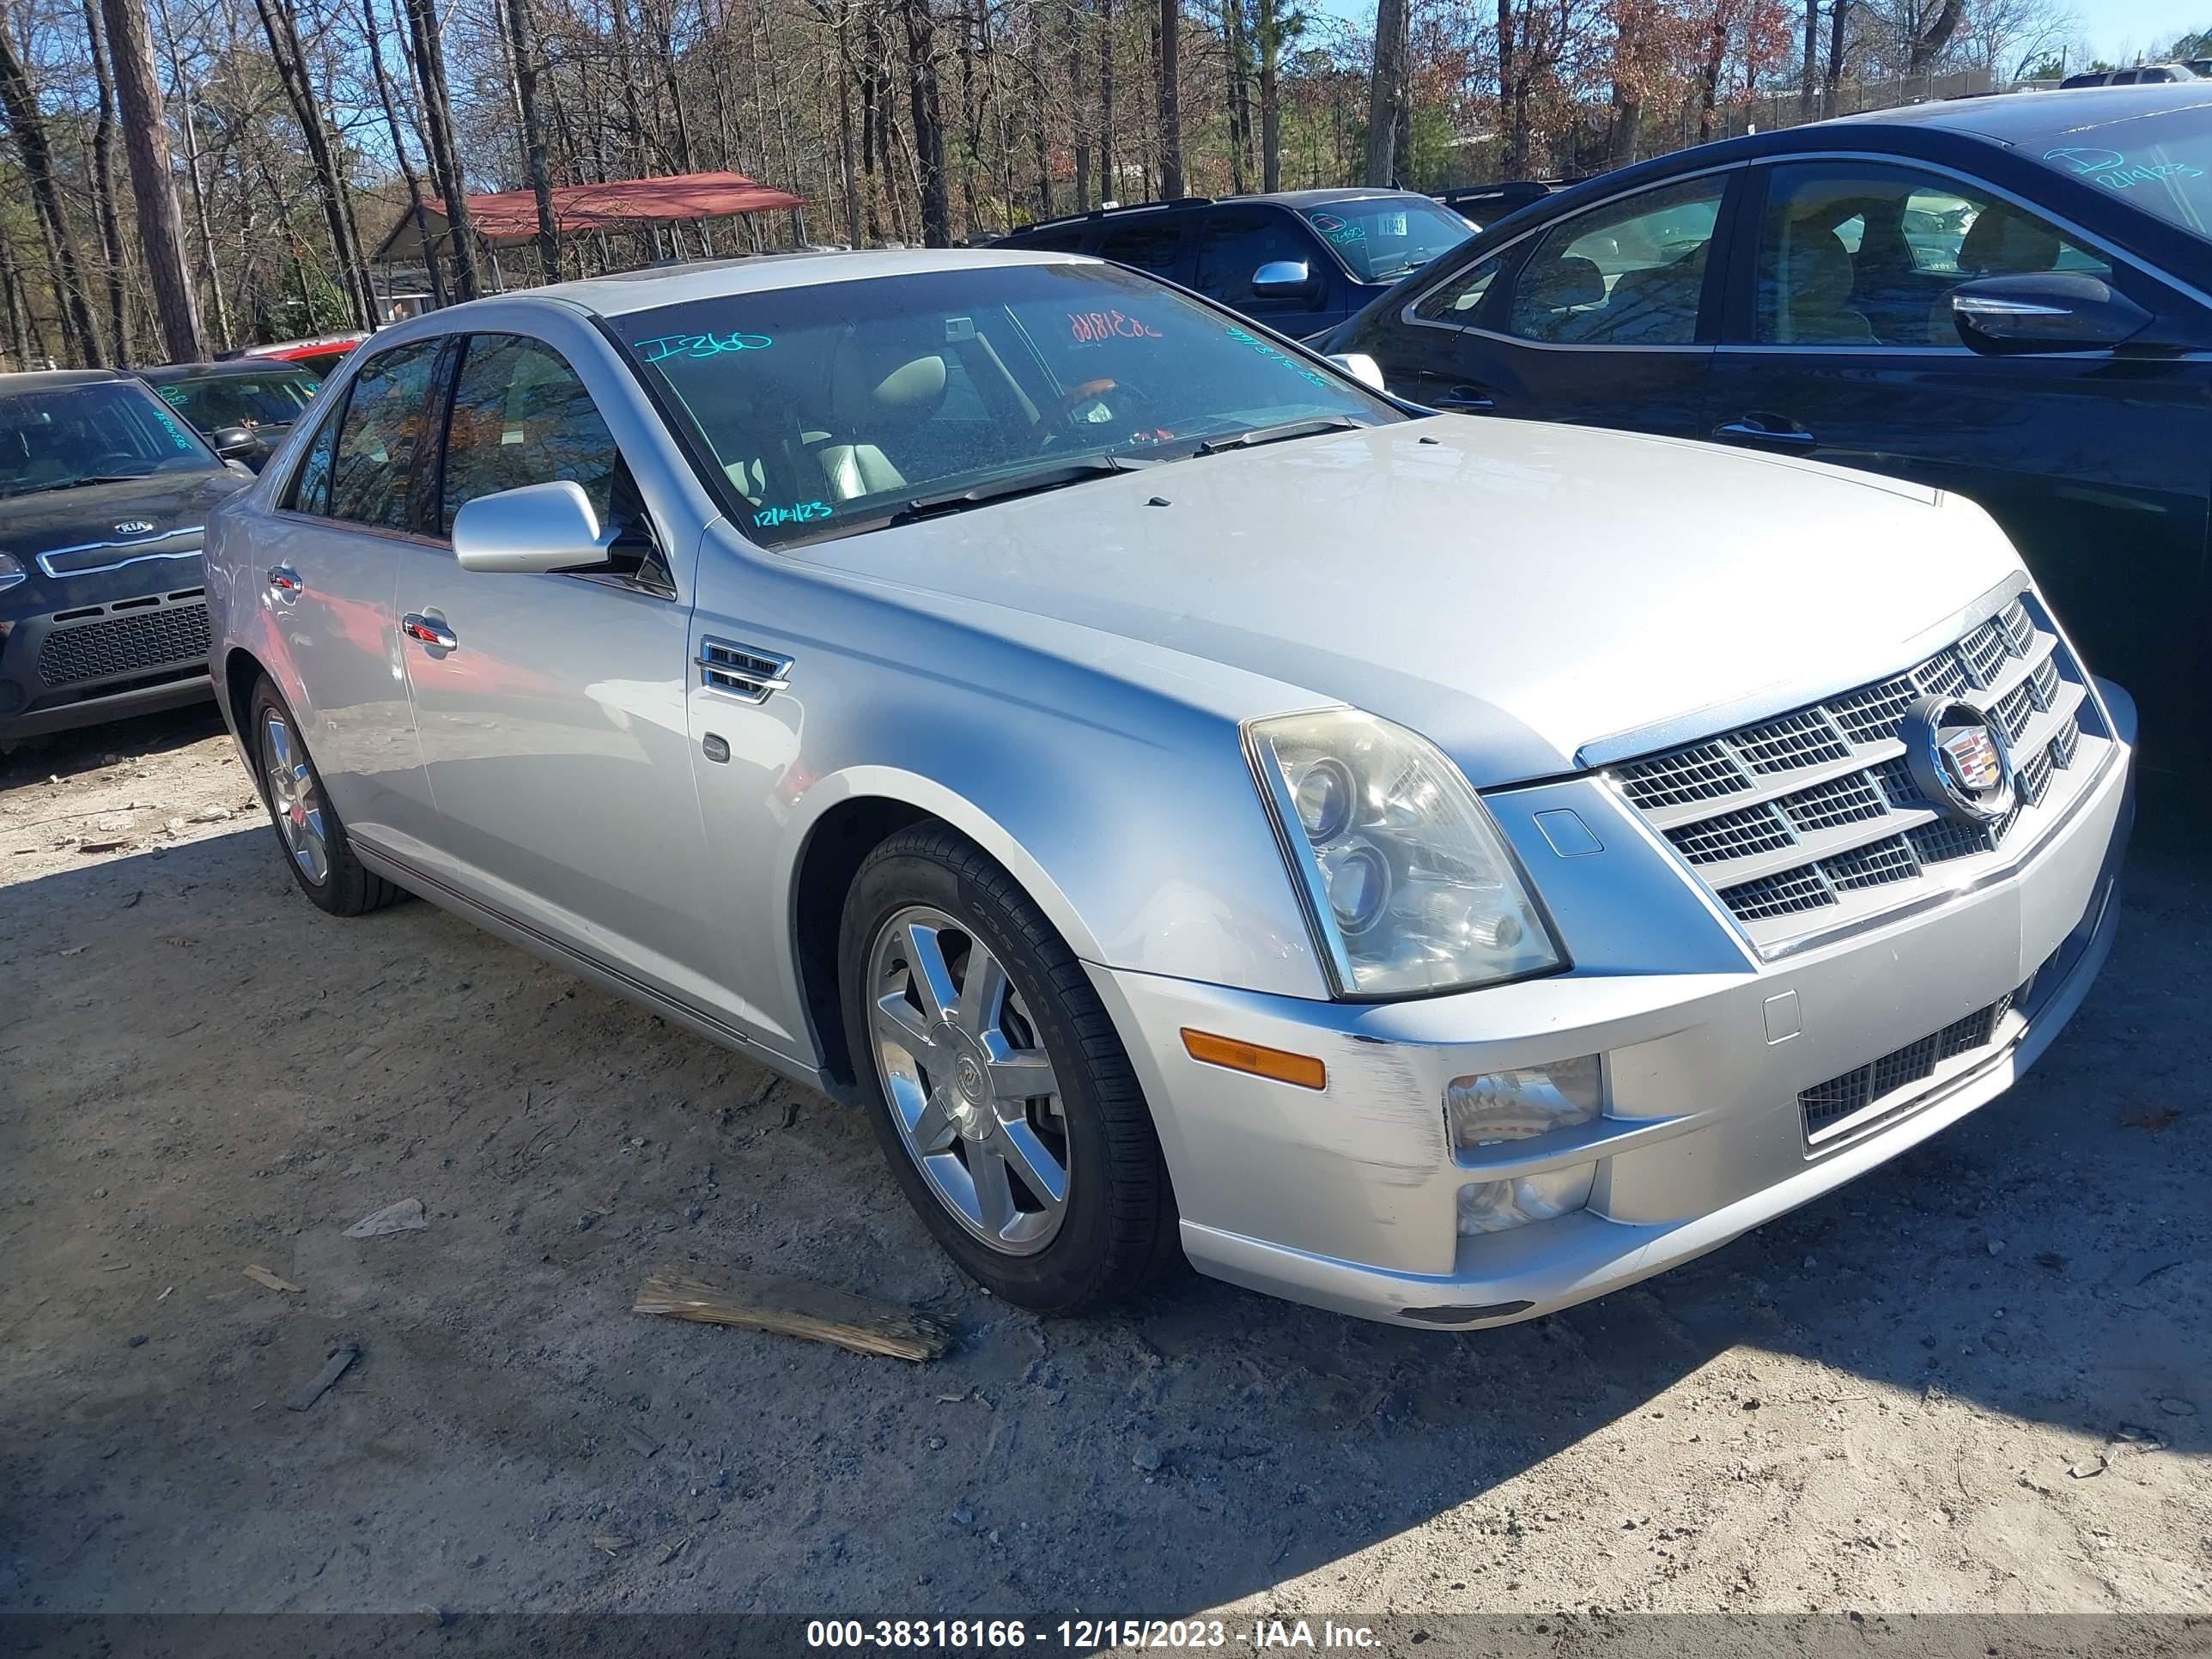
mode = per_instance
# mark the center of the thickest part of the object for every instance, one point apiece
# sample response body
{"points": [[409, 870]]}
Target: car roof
{"points": [[52, 380], [625, 292], [169, 373], [2007, 116]]}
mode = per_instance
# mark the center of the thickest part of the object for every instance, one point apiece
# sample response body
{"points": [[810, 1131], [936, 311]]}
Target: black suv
{"points": [[1299, 261], [103, 492]]}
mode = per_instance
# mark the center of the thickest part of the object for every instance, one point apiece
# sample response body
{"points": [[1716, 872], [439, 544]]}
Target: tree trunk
{"points": [[1809, 78], [1270, 27], [202, 224], [1079, 58], [103, 183], [19, 101], [522, 30], [1709, 79], [286, 54], [1831, 90], [1386, 91], [1171, 100], [438, 127], [154, 181], [1928, 44], [1514, 163], [928, 122], [414, 180], [1106, 187]]}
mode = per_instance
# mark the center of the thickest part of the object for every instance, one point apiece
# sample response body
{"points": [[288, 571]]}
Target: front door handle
{"points": [[284, 582], [1756, 430], [1465, 400], [427, 630]]}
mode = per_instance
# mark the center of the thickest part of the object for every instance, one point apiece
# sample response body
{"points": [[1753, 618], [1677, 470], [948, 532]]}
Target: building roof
{"points": [[509, 217]]}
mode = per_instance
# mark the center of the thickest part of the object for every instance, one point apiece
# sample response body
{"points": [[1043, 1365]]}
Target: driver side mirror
{"points": [[1283, 279], [538, 528], [2048, 311], [233, 443]]}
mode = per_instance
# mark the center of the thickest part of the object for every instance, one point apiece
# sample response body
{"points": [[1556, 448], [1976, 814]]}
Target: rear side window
{"points": [[1148, 245], [521, 416], [1631, 272], [385, 415]]}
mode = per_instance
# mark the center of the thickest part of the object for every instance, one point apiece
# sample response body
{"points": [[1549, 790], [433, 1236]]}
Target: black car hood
{"points": [[84, 531]]}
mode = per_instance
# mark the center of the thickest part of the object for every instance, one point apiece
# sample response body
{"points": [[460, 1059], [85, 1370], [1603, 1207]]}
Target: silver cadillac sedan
{"points": [[1202, 808]]}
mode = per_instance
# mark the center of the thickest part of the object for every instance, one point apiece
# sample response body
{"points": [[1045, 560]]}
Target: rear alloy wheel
{"points": [[315, 844], [998, 1087]]}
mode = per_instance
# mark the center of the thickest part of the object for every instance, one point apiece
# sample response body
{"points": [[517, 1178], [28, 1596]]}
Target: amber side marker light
{"points": [[1303, 1069]]}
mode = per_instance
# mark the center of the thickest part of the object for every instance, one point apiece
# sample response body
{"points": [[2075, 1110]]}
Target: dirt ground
{"points": [[1977, 1380]]}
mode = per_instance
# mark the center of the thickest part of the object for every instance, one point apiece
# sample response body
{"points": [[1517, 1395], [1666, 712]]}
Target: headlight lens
{"points": [[11, 571], [1408, 883]]}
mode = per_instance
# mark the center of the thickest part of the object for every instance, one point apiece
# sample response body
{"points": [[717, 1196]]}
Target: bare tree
{"points": [[429, 64], [1171, 185], [1386, 93], [279, 24], [928, 122], [153, 181], [524, 39], [19, 101]]}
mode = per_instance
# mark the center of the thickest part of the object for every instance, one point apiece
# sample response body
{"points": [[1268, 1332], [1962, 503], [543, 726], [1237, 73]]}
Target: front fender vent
{"points": [[741, 671]]}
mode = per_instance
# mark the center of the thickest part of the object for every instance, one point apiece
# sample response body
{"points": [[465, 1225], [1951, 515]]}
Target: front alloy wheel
{"points": [[998, 1086], [974, 1099]]}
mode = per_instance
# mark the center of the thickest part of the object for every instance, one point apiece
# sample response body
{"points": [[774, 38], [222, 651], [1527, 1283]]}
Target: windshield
{"points": [[2159, 161], [1383, 237], [213, 401], [93, 434], [840, 407]]}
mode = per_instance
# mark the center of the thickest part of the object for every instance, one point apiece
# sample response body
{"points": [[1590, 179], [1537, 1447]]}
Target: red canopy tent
{"points": [[509, 218]]}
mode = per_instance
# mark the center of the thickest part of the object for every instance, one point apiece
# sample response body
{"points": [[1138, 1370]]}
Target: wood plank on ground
{"points": [[791, 1307]]}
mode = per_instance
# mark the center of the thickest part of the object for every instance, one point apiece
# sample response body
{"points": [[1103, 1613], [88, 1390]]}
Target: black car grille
{"points": [[1827, 1105], [151, 634]]}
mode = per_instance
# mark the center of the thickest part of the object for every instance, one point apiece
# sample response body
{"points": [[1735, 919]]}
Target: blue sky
{"points": [[2139, 25]]}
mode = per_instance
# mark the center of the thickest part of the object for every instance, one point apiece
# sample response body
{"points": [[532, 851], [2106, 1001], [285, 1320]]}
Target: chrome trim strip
{"points": [[51, 553]]}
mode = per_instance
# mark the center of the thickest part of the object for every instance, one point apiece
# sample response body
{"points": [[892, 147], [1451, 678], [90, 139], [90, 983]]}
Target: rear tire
{"points": [[316, 850], [996, 1082]]}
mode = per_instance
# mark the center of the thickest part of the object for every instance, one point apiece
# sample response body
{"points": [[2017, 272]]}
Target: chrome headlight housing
{"points": [[1409, 887]]}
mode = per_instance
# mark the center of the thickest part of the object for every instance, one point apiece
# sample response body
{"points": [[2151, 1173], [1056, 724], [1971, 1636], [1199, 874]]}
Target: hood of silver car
{"points": [[1512, 590]]}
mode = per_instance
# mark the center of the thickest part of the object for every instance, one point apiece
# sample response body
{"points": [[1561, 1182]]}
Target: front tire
{"points": [[316, 850], [1000, 1089]]}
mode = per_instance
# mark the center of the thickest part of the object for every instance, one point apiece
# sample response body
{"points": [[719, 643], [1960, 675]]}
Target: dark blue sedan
{"points": [[2010, 297]]}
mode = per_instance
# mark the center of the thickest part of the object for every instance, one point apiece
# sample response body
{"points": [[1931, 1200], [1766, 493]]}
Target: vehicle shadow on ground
{"points": [[211, 1075], [67, 753]]}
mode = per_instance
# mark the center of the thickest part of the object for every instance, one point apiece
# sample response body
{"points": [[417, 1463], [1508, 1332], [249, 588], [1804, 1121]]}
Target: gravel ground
{"points": [[1975, 1381]]}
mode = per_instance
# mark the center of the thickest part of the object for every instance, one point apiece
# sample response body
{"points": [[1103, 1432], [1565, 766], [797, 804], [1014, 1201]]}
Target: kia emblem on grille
{"points": [[134, 527], [1959, 759]]}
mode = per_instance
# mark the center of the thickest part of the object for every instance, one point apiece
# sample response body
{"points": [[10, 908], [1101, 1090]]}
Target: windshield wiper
{"points": [[78, 483], [1275, 435], [1035, 482]]}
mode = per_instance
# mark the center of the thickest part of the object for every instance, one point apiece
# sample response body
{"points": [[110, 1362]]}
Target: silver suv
{"points": [[1437, 869]]}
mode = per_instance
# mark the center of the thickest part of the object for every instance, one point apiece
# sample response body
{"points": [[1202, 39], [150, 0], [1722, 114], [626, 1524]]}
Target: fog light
{"points": [[1493, 1106], [1492, 1206]]}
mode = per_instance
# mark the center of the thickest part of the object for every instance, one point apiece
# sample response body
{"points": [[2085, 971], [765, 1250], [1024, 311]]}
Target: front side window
{"points": [[1854, 253], [1383, 238], [1238, 241], [521, 416], [67, 437], [846, 406], [1457, 300], [1631, 272], [386, 413]]}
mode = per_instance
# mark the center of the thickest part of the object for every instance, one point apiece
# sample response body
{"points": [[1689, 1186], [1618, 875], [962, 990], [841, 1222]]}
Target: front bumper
{"points": [[98, 657], [1347, 1197]]}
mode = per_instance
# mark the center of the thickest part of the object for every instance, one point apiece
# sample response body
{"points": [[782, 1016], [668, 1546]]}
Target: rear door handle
{"points": [[284, 582], [1756, 431], [427, 630]]}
